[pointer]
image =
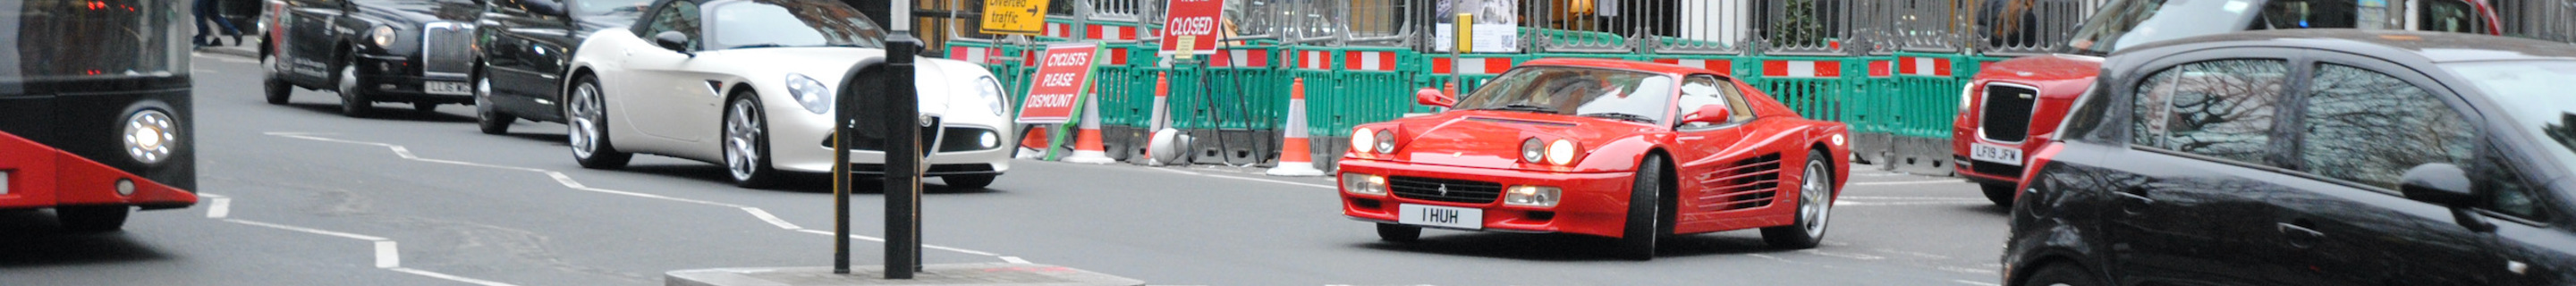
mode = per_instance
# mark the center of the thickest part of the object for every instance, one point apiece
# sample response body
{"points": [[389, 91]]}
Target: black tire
{"points": [[1647, 220], [1815, 207], [1398, 233], [590, 129], [277, 89], [424, 107], [2060, 274], [487, 117], [746, 143], [92, 219], [353, 94], [969, 182], [2000, 193]]}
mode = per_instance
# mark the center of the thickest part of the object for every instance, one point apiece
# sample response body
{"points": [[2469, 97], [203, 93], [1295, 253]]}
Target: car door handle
{"points": [[2299, 236], [2134, 200]]}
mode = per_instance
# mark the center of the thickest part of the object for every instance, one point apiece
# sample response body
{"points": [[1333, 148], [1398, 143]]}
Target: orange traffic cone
{"points": [[1294, 160], [1034, 145], [1086, 143]]}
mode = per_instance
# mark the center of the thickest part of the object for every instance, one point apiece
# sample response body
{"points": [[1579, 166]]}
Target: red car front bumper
{"points": [[1590, 203]]}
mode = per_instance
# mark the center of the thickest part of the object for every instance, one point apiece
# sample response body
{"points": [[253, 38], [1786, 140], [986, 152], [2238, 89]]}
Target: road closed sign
{"points": [[1191, 27], [1064, 75], [1014, 17]]}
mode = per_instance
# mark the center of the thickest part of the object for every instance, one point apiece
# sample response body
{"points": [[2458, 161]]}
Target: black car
{"points": [[2310, 157], [409, 51], [519, 73]]}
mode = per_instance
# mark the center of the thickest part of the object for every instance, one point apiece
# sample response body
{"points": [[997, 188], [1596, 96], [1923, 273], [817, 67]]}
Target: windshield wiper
{"points": [[1522, 107], [1619, 116]]}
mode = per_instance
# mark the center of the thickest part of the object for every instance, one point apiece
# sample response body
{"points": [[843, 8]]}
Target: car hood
{"points": [[946, 86], [2056, 76], [1492, 139]]}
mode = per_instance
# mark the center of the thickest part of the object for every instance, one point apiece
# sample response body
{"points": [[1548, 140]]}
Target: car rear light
{"points": [[1531, 196], [1364, 184], [2035, 163]]}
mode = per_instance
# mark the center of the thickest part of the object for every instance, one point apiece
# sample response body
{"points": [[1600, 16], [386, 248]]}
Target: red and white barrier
{"points": [[1923, 66], [1721, 66], [1807, 69], [1110, 33], [1240, 58], [978, 55], [1471, 65]]}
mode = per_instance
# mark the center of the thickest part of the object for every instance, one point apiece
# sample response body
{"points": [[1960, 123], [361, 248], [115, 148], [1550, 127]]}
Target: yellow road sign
{"points": [[1015, 17]]}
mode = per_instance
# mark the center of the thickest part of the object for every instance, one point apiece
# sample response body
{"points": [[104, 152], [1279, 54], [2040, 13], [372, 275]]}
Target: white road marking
{"points": [[1967, 270], [227, 58], [388, 256], [772, 219], [568, 182], [1174, 171], [1843, 255], [217, 206], [1015, 260], [1975, 283], [1905, 182]]}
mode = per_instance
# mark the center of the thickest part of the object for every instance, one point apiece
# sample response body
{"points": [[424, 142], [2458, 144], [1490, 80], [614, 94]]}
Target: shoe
{"points": [[237, 39]]}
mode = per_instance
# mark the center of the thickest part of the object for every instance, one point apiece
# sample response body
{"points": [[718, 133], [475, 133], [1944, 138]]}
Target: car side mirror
{"points": [[1433, 97], [1710, 114], [2446, 185], [2437, 183], [672, 40]]}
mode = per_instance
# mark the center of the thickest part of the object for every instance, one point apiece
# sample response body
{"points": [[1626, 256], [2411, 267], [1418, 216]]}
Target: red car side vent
{"points": [[1749, 183]]}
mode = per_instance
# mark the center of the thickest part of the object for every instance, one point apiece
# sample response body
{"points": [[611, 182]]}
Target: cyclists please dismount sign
{"points": [[1064, 75]]}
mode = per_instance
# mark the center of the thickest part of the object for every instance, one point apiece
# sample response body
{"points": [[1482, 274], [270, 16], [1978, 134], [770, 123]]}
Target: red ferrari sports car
{"points": [[1621, 149]]}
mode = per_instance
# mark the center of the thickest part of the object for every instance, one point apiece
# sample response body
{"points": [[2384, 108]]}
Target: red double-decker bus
{"points": [[94, 109]]}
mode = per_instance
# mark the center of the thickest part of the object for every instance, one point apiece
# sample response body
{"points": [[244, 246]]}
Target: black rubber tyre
{"points": [[353, 92], [1815, 207], [424, 107], [277, 89], [969, 182], [586, 119], [92, 219], [2000, 193], [1647, 222], [2060, 274], [487, 117], [1398, 233], [746, 143]]}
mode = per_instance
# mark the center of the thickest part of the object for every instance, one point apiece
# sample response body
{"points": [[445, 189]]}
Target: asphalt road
{"points": [[298, 195]]}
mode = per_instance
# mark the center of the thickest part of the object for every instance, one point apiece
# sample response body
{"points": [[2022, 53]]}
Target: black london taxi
{"points": [[403, 51], [2310, 157], [527, 45]]}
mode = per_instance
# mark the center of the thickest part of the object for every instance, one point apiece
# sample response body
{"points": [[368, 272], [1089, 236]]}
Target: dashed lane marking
{"points": [[1176, 171], [218, 206], [388, 254], [568, 182], [1015, 260]]}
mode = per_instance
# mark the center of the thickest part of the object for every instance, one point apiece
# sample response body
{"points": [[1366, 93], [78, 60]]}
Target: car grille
{"points": [[930, 137], [1995, 169], [445, 49], [2006, 116], [961, 139], [1445, 190]]}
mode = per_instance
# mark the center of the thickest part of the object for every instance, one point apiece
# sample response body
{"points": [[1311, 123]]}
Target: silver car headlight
{"points": [[991, 91], [383, 35], [811, 93], [150, 135], [1967, 94]]}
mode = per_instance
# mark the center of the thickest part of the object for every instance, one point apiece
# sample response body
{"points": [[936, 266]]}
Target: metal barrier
{"points": [[2028, 27], [2553, 20]]}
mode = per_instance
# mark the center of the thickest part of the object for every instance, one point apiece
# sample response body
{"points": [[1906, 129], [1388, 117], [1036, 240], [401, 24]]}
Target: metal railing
{"points": [[2552, 20]]}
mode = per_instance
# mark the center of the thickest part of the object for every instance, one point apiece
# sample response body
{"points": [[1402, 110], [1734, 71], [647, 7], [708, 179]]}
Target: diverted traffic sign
{"points": [[1190, 27], [1014, 17], [1064, 75]]}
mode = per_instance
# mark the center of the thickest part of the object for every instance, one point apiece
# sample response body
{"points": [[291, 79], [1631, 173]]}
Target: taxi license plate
{"points": [[1997, 154], [1440, 216], [446, 87]]}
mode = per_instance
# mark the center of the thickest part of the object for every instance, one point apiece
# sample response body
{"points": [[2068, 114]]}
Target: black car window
{"points": [[2369, 128], [2219, 108], [1703, 90], [2314, 14], [2504, 189], [679, 16]]}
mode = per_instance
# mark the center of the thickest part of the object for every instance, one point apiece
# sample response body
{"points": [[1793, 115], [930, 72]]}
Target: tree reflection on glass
{"points": [[2368, 127], [2216, 108]]}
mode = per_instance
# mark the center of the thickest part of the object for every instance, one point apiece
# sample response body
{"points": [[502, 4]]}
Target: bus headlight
{"points": [[149, 135]]}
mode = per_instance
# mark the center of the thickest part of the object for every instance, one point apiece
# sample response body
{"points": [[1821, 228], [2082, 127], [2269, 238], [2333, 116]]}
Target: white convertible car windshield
{"points": [[792, 23]]}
